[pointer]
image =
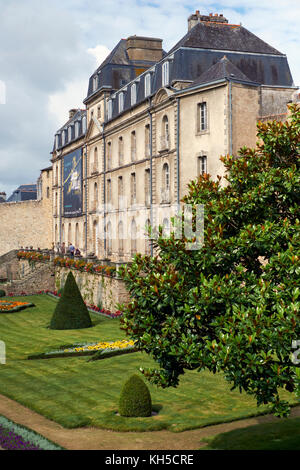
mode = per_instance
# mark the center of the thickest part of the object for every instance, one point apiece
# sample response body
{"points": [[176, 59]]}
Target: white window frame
{"points": [[76, 129], [121, 102], [165, 73], [109, 109], [202, 164], [95, 83], [133, 94], [69, 133], [147, 84], [202, 110], [84, 124]]}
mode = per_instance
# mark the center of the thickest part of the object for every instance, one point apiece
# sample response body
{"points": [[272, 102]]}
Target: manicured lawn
{"points": [[283, 435], [74, 392]]}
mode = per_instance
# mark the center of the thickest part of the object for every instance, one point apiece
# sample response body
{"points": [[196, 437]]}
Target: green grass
{"points": [[74, 392], [283, 435]]}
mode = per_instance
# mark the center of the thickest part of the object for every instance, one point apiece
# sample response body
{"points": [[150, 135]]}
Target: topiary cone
{"points": [[135, 398], [71, 312]]}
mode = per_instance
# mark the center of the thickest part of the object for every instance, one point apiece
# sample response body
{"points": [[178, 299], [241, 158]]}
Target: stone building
{"points": [[153, 121]]}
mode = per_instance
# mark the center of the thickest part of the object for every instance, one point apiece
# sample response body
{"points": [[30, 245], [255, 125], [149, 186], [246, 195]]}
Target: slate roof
{"points": [[25, 192], [222, 69], [78, 116], [224, 36]]}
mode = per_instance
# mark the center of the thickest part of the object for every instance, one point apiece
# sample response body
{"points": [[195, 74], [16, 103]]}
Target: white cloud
{"points": [[99, 53]]}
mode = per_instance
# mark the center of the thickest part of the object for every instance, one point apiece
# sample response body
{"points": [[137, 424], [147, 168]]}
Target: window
{"points": [[108, 191], [147, 240], [109, 155], [202, 165], [121, 238], [133, 233], [120, 192], [48, 192], [99, 112], [166, 228], [95, 196], [147, 141], [56, 176], [165, 190], [63, 137], [133, 94], [147, 188], [147, 84], [165, 74], [70, 133], [56, 141], [77, 235], [95, 83], [165, 138], [121, 150], [95, 165], [109, 238], [133, 146], [76, 129], [121, 102], [109, 109], [84, 124], [202, 117], [133, 188]]}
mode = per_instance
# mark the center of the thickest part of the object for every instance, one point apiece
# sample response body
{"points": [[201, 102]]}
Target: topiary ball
{"points": [[2, 293], [135, 398]]}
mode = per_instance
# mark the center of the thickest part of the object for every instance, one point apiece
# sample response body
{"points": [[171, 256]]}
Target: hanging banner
{"points": [[72, 187]]}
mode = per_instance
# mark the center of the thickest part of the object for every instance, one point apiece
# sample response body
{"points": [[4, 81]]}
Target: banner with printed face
{"points": [[72, 187]]}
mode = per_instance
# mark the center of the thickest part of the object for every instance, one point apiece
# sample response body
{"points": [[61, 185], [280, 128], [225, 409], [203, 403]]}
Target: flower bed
{"points": [[82, 265], [92, 308], [33, 256], [16, 437], [9, 306], [103, 349]]}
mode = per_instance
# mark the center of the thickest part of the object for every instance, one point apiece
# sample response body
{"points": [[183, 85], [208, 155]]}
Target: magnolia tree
{"points": [[233, 305]]}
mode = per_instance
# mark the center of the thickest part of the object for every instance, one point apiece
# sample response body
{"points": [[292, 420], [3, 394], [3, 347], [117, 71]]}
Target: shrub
{"points": [[135, 398], [71, 311], [2, 293]]}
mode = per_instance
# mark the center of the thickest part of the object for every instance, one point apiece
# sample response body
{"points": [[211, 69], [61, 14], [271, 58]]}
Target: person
{"points": [[71, 250], [77, 252], [63, 248]]}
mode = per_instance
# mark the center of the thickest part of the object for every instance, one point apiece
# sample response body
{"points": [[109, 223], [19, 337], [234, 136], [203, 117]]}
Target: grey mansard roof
{"points": [[222, 69]]}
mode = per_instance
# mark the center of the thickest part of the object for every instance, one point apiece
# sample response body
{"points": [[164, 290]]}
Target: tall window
{"points": [[56, 175], [95, 197], [99, 112], [109, 109], [147, 240], [95, 164], [63, 237], [95, 82], [165, 194], [70, 133], [109, 156], [109, 238], [147, 84], [121, 102], [48, 192], [147, 140], [56, 141], [202, 117], [165, 73], [84, 124], [77, 235], [121, 151], [133, 146], [165, 137], [147, 187], [76, 129], [95, 236], [108, 191], [120, 192], [202, 165], [63, 137], [133, 235], [133, 94], [121, 238], [69, 234], [133, 188], [166, 227]]}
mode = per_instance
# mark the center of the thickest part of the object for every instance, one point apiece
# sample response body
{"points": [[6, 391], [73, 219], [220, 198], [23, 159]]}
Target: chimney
{"points": [[3, 196], [196, 18], [144, 49], [72, 112]]}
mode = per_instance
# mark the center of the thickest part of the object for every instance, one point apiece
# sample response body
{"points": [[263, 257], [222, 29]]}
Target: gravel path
{"points": [[99, 439]]}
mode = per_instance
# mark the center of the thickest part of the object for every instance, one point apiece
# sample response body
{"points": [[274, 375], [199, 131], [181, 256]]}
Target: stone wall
{"points": [[9, 266], [32, 278], [96, 289], [26, 223]]}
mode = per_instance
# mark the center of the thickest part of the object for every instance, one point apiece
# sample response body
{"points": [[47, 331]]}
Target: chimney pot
{"points": [[210, 14], [197, 12], [72, 112]]}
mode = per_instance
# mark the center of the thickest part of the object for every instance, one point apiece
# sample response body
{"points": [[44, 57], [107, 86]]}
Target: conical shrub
{"points": [[135, 398], [71, 312]]}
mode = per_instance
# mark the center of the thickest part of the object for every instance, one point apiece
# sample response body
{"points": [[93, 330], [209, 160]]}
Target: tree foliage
{"points": [[135, 398], [233, 305]]}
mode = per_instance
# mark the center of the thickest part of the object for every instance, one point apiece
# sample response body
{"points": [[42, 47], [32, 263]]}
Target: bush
{"points": [[135, 398], [2, 293], [71, 311]]}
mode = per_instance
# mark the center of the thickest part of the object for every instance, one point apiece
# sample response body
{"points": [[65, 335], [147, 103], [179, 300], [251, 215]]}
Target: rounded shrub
{"points": [[2, 293], [71, 312], [135, 398]]}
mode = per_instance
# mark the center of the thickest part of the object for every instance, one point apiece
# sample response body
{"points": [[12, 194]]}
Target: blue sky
{"points": [[50, 48]]}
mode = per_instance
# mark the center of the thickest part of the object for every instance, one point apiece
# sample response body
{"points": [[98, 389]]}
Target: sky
{"points": [[50, 48]]}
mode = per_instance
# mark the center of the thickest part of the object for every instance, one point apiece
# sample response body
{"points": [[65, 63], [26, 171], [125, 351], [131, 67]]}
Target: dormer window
{"points": [[84, 124], [76, 129], [56, 141], [109, 109], [147, 84], [133, 94], [63, 138], [121, 102], [70, 133], [165, 74]]}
